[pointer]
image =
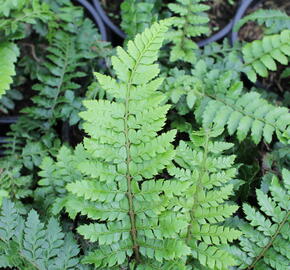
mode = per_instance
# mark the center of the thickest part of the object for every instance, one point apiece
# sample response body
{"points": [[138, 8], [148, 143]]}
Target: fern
{"points": [[8, 56], [56, 87], [265, 240], [7, 101], [249, 113], [124, 153], [137, 15], [274, 20], [55, 175], [33, 136], [210, 174], [17, 13], [29, 244], [218, 99], [13, 15], [189, 24], [260, 55]]}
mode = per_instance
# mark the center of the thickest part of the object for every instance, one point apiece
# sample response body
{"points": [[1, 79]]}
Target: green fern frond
{"points": [[209, 172], [265, 240], [124, 153], [260, 55], [218, 99], [190, 23], [274, 20], [30, 244], [57, 87], [8, 56]]}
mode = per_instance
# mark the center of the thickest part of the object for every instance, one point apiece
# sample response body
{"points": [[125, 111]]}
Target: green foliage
{"points": [[28, 244], [260, 55], [124, 153], [14, 14], [210, 175], [56, 87], [274, 20], [8, 56], [58, 99], [140, 195], [190, 23], [220, 101], [265, 240], [55, 175], [7, 101], [137, 15]]}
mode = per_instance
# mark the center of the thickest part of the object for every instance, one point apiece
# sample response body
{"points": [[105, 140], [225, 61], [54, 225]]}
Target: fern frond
{"points": [[119, 190], [63, 62], [209, 171], [8, 56], [274, 20], [265, 239], [260, 55], [190, 23], [218, 99], [30, 244]]}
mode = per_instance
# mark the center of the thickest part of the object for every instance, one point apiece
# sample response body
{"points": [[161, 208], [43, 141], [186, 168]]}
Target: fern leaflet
{"points": [[260, 55], [8, 56], [274, 20]]}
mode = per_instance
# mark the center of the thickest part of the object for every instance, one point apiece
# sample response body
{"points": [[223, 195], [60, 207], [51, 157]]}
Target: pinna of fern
{"points": [[274, 20], [265, 240], [126, 203], [260, 55], [209, 174]]}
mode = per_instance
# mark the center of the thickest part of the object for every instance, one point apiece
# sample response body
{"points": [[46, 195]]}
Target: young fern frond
{"points": [[260, 55], [8, 56], [265, 240], [209, 173], [275, 20], [190, 23], [31, 245], [124, 154]]}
